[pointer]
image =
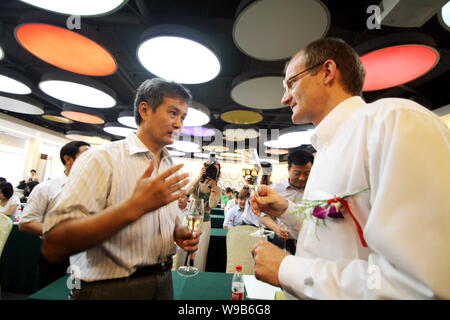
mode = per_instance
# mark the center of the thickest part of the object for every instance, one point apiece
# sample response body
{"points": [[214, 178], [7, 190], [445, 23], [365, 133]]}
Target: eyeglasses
{"points": [[287, 84]]}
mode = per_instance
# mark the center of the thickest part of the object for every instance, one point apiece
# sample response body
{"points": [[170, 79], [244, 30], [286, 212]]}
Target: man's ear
{"points": [[68, 159], [330, 74], [144, 110]]}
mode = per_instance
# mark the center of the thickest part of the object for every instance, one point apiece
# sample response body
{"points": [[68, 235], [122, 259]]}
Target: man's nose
{"points": [[286, 99]]}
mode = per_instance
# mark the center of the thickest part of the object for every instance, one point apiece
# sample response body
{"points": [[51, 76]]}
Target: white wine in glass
{"points": [[193, 220]]}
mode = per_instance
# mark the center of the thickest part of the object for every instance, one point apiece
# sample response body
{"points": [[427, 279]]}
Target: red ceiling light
{"points": [[66, 49], [82, 115], [397, 59]]}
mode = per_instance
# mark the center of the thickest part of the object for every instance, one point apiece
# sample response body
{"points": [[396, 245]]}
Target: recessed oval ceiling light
{"points": [[175, 153], [241, 116], [185, 146], [2, 54], [198, 131], [201, 155], [444, 16], [264, 29], [82, 115], [127, 119], [89, 137], [76, 90], [396, 59], [66, 49], [215, 148], [299, 137], [117, 129], [56, 118], [12, 84], [277, 151], [269, 87], [168, 52], [78, 7], [23, 105], [236, 133], [197, 116]]}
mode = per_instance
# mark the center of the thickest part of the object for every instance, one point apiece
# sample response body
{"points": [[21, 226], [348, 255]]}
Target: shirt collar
{"points": [[135, 146], [287, 185], [327, 128]]}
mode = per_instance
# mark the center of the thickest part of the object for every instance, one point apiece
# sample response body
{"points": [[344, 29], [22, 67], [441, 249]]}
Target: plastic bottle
{"points": [[237, 285]]}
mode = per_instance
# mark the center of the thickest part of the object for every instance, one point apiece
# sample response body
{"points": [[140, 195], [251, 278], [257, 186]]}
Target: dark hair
{"points": [[345, 57], [29, 187], [300, 158], [7, 189], [71, 149], [32, 170], [211, 171], [2, 179], [228, 190], [153, 92]]}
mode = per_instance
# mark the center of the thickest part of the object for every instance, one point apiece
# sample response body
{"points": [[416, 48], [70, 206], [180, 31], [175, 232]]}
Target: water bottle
{"points": [[237, 285]]}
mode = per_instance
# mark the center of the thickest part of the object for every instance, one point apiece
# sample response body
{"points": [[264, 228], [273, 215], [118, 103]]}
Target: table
{"points": [[19, 262], [204, 286]]}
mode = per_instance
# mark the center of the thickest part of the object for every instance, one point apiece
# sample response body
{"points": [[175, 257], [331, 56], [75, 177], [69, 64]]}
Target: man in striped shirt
{"points": [[117, 216]]}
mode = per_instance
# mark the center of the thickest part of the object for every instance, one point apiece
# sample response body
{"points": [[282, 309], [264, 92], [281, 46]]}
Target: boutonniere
{"points": [[319, 210]]}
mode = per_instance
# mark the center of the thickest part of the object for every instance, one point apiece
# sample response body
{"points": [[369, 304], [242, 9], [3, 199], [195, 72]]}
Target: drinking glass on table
{"points": [[193, 220]]}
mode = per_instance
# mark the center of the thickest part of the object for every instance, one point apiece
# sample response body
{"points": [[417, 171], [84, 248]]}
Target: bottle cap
{"points": [[238, 268]]}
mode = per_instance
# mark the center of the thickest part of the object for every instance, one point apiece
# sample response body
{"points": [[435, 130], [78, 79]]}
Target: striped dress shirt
{"points": [[106, 176]]}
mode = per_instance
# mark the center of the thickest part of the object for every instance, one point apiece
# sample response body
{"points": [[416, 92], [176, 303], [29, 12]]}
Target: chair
{"points": [[239, 249]]}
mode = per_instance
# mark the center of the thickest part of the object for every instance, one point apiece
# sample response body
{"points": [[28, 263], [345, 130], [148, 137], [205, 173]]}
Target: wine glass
{"points": [[251, 177], [193, 220], [283, 229]]}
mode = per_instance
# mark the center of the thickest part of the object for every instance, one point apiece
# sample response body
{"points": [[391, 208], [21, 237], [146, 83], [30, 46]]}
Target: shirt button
{"points": [[308, 282]]}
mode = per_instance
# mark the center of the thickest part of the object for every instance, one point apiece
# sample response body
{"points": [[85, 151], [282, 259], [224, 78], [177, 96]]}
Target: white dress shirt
{"points": [[292, 222], [103, 177], [42, 199], [14, 200], [248, 217], [400, 151]]}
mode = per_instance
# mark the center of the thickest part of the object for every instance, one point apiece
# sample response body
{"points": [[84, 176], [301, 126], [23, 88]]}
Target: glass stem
{"points": [[188, 263]]}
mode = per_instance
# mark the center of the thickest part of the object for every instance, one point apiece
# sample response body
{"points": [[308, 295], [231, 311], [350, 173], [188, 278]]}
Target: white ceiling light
{"points": [[197, 116], [88, 137], [269, 87], [444, 16], [2, 54], [175, 153], [78, 7], [215, 148], [10, 85], [25, 106], [201, 155], [127, 119], [77, 90], [117, 129], [299, 137], [281, 144], [185, 146], [168, 52], [238, 134]]}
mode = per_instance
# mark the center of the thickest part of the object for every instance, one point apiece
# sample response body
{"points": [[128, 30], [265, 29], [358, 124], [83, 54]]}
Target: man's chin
{"points": [[299, 119]]}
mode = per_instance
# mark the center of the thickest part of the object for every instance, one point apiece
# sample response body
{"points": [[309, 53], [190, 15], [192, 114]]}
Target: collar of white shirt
{"points": [[135, 145], [325, 131]]}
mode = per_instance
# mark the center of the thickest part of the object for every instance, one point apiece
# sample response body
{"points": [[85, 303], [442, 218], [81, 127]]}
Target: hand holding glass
{"points": [[193, 220]]}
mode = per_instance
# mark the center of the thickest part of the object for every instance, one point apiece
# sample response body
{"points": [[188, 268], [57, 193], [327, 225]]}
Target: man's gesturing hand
{"points": [[153, 193]]}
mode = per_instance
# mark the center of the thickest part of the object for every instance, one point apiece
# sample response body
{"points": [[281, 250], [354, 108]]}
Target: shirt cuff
{"points": [[294, 275]]}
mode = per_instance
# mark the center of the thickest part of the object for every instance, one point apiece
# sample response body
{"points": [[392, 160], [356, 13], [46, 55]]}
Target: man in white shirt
{"points": [[41, 200], [299, 166], [392, 239], [117, 217]]}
